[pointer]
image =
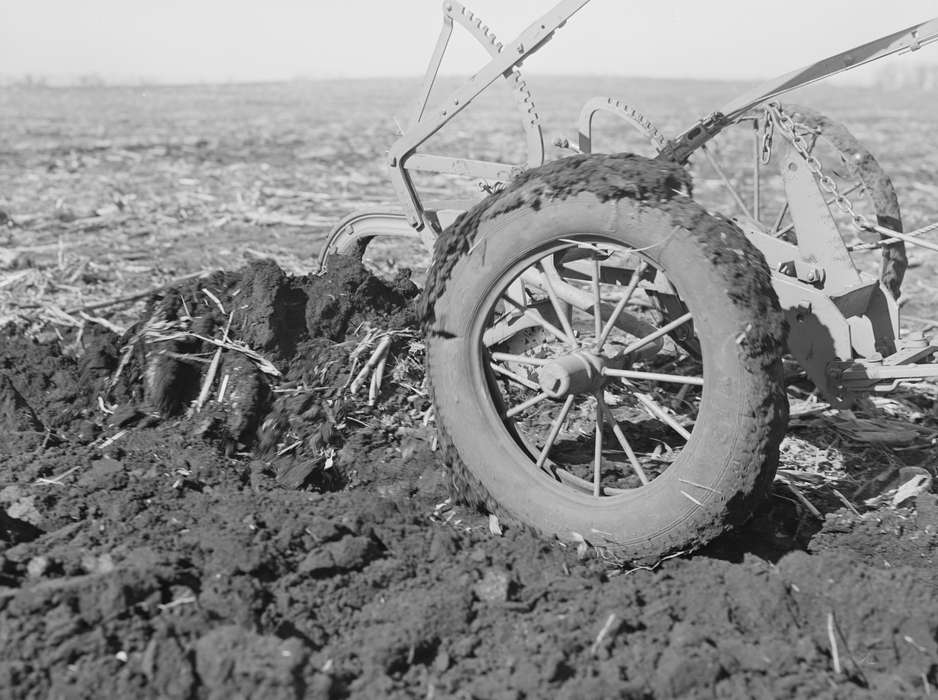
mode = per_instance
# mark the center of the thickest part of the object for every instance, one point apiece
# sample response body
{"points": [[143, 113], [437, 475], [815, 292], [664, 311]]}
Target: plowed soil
{"points": [[288, 539], [150, 554]]}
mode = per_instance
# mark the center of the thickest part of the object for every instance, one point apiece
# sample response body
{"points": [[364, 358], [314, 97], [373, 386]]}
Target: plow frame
{"points": [[844, 327]]}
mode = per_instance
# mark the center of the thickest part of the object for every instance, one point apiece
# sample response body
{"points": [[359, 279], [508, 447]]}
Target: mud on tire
{"points": [[605, 358]]}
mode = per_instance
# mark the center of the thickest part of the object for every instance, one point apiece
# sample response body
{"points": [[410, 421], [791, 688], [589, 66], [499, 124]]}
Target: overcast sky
{"points": [[221, 40]]}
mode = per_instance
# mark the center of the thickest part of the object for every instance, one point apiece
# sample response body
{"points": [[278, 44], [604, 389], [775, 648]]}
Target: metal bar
{"points": [[522, 407], [819, 238], [433, 69], [664, 330], [555, 429], [657, 412], [910, 39], [462, 166], [894, 236], [653, 376], [582, 301], [889, 241], [620, 306], [514, 377], [726, 181], [538, 318], [520, 359], [863, 375], [562, 313], [598, 451], [623, 442]]}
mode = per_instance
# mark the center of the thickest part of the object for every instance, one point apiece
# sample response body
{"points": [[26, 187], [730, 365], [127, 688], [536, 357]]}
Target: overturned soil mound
{"points": [[240, 496]]}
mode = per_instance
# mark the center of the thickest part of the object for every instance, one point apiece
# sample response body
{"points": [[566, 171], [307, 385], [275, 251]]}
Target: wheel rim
{"points": [[591, 365], [731, 176]]}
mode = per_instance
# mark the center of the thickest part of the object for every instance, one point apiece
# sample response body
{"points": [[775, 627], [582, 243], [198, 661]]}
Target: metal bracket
{"points": [[863, 377], [819, 240], [682, 148]]}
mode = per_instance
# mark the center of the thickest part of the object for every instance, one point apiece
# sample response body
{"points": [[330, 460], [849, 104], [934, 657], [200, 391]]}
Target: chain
{"points": [[768, 133], [775, 115]]}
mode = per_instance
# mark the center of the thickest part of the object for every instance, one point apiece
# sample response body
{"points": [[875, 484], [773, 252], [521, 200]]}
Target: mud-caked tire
{"points": [[729, 462]]}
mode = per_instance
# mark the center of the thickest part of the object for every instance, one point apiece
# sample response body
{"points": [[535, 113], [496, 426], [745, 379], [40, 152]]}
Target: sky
{"points": [[177, 41]]}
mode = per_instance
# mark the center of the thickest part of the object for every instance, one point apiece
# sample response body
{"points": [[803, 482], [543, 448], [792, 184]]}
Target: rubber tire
{"points": [[729, 463]]}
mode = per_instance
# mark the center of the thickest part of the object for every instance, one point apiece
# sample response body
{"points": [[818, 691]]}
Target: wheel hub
{"points": [[577, 373]]}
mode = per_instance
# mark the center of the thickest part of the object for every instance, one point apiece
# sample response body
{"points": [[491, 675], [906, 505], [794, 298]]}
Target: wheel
{"points": [[605, 358], [731, 175]]}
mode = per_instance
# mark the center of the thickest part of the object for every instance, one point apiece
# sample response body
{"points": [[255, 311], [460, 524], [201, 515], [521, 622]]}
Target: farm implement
{"points": [[606, 353]]}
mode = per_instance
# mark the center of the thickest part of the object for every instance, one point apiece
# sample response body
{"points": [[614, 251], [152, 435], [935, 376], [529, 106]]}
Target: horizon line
{"points": [[89, 80]]}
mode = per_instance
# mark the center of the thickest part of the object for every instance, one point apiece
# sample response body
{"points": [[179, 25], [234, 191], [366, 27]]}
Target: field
{"points": [[287, 538]]}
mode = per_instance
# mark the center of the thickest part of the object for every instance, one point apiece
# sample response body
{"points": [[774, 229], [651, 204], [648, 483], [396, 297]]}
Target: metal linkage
{"points": [[776, 115], [505, 61]]}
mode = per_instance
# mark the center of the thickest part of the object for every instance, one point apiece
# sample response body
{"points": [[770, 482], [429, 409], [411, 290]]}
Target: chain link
{"points": [[776, 115], [768, 134]]}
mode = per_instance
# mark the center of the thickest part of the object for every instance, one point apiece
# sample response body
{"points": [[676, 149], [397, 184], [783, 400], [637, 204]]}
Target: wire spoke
{"points": [[522, 407], [623, 442], [598, 452], [597, 300], [519, 359], [653, 376], [540, 320], [617, 311], [552, 309], [664, 330], [657, 412], [555, 302], [554, 431], [517, 378], [779, 218], [726, 181]]}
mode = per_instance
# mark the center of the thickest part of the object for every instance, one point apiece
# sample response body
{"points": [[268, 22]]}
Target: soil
{"points": [[288, 540]]}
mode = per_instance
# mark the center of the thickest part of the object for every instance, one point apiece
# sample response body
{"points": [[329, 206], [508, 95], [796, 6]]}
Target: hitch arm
{"points": [[903, 41]]}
